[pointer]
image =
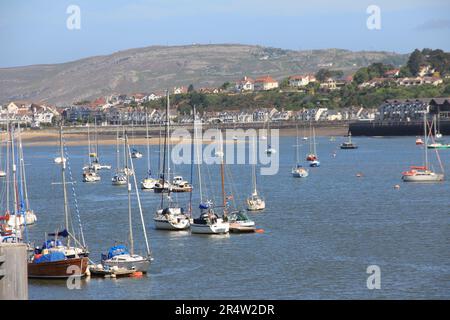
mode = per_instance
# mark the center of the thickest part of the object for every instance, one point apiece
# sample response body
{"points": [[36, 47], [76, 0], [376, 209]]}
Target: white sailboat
{"points": [[95, 164], [423, 173], [120, 177], [24, 216], [119, 256], [298, 171], [148, 182], [89, 172], [209, 222], [313, 159], [269, 149], [169, 216], [255, 202]]}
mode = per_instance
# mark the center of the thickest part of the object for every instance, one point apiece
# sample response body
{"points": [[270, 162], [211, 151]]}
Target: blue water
{"points": [[321, 233]]}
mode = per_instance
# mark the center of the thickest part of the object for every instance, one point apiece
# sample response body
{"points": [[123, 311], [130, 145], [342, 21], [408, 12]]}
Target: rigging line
{"points": [[74, 194]]}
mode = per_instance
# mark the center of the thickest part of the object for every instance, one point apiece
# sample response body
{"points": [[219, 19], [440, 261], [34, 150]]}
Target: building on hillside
{"points": [[245, 84], [296, 81], [265, 83], [328, 84], [393, 73], [180, 90]]}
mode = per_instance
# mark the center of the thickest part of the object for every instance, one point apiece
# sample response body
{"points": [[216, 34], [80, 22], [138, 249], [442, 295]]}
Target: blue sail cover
{"points": [[204, 206], [117, 251], [51, 257]]}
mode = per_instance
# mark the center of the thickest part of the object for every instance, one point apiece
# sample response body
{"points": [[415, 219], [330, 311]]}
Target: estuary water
{"points": [[320, 233]]}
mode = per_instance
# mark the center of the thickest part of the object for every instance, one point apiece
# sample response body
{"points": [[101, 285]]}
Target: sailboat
{"points": [[90, 172], [312, 157], [437, 136], [269, 149], [148, 182], [423, 173], [24, 215], [254, 201], [135, 154], [298, 171], [119, 178], [209, 222], [55, 259], [95, 163], [170, 217], [348, 144], [119, 256]]}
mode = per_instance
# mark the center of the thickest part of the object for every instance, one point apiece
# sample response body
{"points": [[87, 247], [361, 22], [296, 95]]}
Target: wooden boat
{"points": [[58, 269]]}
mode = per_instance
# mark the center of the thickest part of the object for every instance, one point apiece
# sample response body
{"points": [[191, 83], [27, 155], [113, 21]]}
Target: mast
{"points": [[96, 140], [314, 141], [22, 172], [130, 230], [63, 175], [14, 170], [89, 144], [192, 159], [222, 176], [148, 144], [8, 136], [198, 146], [139, 205], [255, 192], [117, 151], [425, 138], [165, 150], [296, 148]]}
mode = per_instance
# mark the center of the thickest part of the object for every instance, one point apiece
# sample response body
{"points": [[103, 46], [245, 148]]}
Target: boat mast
{"points": [[425, 138], [22, 173], [148, 144], [130, 231], [314, 142], [163, 183], [89, 144], [117, 151], [63, 175], [198, 151], [8, 136], [139, 205], [297, 156], [14, 170], [222, 176], [255, 192], [96, 140]]}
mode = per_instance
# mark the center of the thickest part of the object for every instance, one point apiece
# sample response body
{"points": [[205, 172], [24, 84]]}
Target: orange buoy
{"points": [[259, 230], [137, 274]]}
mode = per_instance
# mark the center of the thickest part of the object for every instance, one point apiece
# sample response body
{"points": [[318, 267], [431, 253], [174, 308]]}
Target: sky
{"points": [[36, 31]]}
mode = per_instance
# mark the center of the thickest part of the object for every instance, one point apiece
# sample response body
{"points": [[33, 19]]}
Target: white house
{"points": [[265, 83], [245, 84]]}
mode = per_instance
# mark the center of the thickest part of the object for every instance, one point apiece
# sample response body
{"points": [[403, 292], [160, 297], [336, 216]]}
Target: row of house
{"points": [[406, 81], [28, 113]]}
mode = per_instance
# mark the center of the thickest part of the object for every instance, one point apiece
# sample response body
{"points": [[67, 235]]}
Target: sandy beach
{"points": [[107, 136]]}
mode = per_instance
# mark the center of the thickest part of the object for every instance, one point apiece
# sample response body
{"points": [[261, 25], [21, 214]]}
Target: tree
{"points": [[416, 59], [191, 88]]}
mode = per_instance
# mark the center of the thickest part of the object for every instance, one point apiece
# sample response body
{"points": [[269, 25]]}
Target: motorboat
{"points": [[240, 222]]}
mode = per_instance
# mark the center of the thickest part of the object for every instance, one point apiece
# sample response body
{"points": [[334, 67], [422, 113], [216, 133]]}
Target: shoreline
{"points": [[107, 136]]}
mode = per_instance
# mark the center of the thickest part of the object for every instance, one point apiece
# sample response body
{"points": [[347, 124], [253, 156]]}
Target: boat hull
{"points": [[58, 269], [164, 224], [218, 228], [139, 265], [423, 178]]}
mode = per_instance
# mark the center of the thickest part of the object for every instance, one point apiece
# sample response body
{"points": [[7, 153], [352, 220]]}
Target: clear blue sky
{"points": [[34, 31]]}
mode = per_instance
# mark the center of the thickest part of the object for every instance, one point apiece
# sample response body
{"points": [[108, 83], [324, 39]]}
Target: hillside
{"points": [[158, 67]]}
